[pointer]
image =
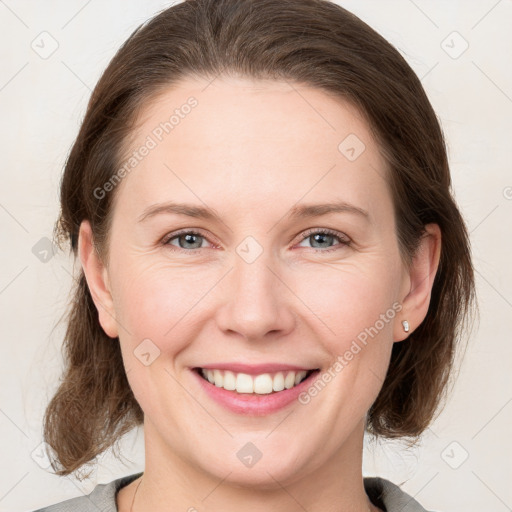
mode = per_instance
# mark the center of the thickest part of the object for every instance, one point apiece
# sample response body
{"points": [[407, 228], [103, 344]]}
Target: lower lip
{"points": [[252, 404]]}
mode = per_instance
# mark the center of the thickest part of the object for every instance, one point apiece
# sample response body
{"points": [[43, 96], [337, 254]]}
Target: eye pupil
{"points": [[189, 239], [318, 237]]}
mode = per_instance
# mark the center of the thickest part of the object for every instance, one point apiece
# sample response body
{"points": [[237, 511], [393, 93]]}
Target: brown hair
{"points": [[314, 42]]}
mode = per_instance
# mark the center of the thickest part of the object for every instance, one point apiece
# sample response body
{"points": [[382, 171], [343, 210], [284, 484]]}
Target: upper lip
{"points": [[254, 369]]}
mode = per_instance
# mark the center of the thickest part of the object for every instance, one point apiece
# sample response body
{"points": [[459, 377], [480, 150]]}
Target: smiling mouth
{"points": [[262, 384]]}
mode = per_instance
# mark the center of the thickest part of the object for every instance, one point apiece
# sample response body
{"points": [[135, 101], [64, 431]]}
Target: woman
{"points": [[272, 262]]}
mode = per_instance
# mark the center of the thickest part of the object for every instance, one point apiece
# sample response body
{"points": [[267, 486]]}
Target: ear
{"points": [[418, 282], [96, 275]]}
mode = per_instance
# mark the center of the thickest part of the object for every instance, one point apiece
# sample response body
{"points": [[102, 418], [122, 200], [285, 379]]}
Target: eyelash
{"points": [[344, 241]]}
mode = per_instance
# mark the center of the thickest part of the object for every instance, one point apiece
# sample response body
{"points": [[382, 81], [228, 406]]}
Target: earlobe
{"points": [[420, 280], [97, 278]]}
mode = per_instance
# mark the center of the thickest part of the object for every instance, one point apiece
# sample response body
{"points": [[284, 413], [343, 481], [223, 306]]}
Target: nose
{"points": [[259, 305]]}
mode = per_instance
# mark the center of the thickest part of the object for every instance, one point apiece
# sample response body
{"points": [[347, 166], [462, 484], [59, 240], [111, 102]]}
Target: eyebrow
{"points": [[297, 212]]}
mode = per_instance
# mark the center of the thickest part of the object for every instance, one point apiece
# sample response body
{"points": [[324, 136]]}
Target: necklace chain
{"points": [[137, 488], [135, 494]]}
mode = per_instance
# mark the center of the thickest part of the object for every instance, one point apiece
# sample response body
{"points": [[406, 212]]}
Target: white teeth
{"points": [[219, 378], [289, 380], [244, 383], [263, 384], [278, 383], [260, 384], [299, 376], [229, 380]]}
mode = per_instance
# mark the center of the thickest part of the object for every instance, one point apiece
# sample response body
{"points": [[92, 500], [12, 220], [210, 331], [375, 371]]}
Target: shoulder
{"points": [[102, 497], [389, 496]]}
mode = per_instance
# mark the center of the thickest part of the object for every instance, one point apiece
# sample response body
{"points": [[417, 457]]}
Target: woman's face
{"points": [[259, 283]]}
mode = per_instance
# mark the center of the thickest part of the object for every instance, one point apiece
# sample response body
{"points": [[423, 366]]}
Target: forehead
{"points": [[251, 142]]}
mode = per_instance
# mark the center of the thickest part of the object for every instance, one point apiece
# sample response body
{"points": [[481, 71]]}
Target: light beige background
{"points": [[42, 101]]}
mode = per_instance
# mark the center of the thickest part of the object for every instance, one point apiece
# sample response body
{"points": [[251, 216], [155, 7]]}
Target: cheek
{"points": [[157, 301], [355, 307], [142, 300], [155, 305], [348, 299]]}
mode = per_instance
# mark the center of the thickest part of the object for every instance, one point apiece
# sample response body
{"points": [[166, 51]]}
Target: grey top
{"points": [[382, 493]]}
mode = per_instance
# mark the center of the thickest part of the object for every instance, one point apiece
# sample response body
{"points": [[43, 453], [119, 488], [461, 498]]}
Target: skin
{"points": [[251, 150]]}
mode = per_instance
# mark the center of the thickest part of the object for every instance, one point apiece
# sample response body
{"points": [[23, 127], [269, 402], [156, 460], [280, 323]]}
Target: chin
{"points": [[269, 473], [261, 477]]}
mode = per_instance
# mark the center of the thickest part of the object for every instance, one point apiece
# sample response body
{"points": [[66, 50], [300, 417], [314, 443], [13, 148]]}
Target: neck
{"points": [[171, 482]]}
